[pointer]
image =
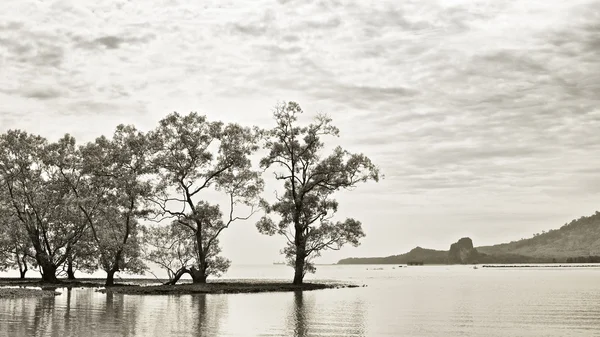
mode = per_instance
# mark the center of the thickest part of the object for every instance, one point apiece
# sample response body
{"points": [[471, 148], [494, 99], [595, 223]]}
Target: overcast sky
{"points": [[483, 115]]}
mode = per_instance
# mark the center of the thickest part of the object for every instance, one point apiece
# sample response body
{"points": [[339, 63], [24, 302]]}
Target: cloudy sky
{"points": [[484, 115]]}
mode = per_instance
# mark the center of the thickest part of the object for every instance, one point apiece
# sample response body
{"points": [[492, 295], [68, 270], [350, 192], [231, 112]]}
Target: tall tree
{"points": [[193, 155], [84, 200], [306, 207], [119, 171], [109, 179], [39, 199]]}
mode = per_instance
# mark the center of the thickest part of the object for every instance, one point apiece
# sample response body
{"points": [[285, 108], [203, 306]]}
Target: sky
{"points": [[484, 115]]}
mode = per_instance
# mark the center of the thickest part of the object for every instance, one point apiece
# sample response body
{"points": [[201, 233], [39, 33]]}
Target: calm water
{"points": [[412, 301]]}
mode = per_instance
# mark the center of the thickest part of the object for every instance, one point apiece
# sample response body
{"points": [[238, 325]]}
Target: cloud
{"points": [[22, 45], [112, 42], [465, 102], [41, 93]]}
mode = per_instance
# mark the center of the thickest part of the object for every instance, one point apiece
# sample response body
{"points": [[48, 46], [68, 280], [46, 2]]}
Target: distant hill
{"points": [[576, 241], [418, 254], [580, 237], [461, 252]]}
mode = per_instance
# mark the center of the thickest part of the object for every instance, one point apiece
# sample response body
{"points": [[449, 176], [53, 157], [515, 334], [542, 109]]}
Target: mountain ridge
{"points": [[574, 241]]}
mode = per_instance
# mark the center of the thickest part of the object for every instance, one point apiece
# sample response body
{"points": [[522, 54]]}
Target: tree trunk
{"points": [[48, 272], [300, 243], [177, 276], [22, 266], [46, 264], [110, 278], [70, 271], [299, 268], [198, 275]]}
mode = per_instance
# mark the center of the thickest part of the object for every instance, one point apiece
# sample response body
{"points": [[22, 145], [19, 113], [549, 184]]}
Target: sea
{"points": [[392, 300]]}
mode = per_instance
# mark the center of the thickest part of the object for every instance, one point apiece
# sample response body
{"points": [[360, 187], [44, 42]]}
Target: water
{"points": [[412, 301]]}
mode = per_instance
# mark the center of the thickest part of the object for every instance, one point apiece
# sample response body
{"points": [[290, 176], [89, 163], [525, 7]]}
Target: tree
{"points": [[170, 247], [118, 171], [306, 208], [16, 251], [193, 155], [39, 199], [83, 256], [108, 179]]}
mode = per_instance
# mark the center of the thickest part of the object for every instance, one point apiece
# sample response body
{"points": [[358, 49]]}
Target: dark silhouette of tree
{"points": [[306, 208]]}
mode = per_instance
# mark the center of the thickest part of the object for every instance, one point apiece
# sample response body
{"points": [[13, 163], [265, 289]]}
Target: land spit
{"points": [[150, 287], [542, 266], [13, 292]]}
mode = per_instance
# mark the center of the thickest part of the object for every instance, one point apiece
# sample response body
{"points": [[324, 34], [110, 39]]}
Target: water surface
{"points": [[411, 301]]}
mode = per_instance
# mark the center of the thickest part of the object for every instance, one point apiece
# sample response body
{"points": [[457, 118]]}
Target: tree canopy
{"points": [[306, 207], [165, 196], [194, 154]]}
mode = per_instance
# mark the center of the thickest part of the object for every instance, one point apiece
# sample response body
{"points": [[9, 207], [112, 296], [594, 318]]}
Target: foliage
{"points": [[83, 255], [119, 170], [107, 179], [39, 199], [170, 248], [306, 207], [16, 251], [193, 155]]}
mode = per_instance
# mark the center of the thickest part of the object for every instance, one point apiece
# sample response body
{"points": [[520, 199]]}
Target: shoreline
{"points": [[542, 266], [261, 286], [152, 288], [13, 292]]}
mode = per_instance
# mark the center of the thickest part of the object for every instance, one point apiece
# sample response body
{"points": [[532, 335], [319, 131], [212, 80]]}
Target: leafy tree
{"points": [[83, 256], [306, 208], [39, 199], [109, 181], [16, 251], [119, 171], [171, 248], [193, 155]]}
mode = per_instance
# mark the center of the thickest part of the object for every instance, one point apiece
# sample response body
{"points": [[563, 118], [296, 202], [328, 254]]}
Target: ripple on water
{"points": [[417, 302]]}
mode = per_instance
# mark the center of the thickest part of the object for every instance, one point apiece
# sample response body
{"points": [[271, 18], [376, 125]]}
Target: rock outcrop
{"points": [[463, 252]]}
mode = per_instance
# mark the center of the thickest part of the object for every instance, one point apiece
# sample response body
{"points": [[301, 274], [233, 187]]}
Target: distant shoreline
{"points": [[542, 266]]}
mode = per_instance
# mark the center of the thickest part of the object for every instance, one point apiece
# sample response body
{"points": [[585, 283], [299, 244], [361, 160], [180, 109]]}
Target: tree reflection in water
{"points": [[120, 314], [337, 317], [299, 315], [43, 319], [210, 310]]}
